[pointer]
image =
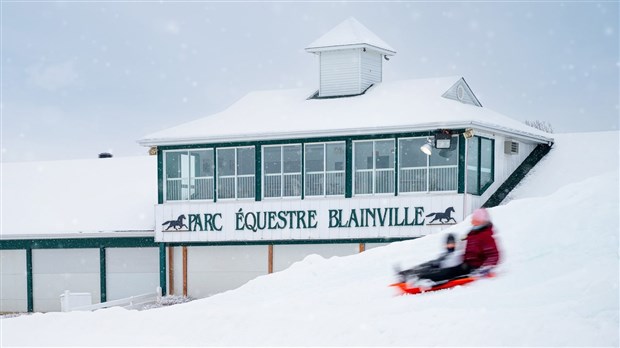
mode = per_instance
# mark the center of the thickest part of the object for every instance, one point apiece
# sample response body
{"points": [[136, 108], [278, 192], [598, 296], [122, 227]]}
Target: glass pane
{"points": [[314, 158], [225, 162], [291, 155], [445, 157], [363, 155], [245, 161], [409, 153], [384, 151], [486, 162], [472, 165], [335, 157], [174, 165], [272, 160], [202, 163]]}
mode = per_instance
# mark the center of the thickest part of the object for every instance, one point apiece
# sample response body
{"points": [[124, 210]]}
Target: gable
{"points": [[461, 92]]}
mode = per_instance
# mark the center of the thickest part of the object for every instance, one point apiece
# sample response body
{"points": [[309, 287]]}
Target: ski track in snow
{"points": [[557, 285]]}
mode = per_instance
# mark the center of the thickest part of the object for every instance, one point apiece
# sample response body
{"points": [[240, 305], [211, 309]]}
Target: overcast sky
{"points": [[87, 77]]}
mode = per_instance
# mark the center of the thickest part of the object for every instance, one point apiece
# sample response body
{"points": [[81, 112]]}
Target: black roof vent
{"points": [[105, 155]]}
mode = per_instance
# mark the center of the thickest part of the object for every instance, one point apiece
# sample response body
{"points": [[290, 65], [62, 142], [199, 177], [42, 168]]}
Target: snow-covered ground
{"points": [[557, 283]]}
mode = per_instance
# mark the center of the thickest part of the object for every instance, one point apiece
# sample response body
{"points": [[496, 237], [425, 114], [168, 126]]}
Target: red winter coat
{"points": [[481, 249]]}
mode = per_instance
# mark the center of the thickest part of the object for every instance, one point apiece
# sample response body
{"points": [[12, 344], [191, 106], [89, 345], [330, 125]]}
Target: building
{"points": [[282, 174]]}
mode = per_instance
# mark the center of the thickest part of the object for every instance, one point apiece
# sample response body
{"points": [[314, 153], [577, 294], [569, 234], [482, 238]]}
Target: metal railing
{"points": [[132, 302], [282, 185], [325, 183], [421, 179]]}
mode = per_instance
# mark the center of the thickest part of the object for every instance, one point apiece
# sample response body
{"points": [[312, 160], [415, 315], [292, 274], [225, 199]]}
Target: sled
{"points": [[404, 289]]}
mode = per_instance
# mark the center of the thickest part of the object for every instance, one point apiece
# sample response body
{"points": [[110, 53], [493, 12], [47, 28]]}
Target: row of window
{"points": [[317, 169]]}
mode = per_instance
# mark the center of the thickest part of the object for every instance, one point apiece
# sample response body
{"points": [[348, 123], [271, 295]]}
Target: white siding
{"points": [[339, 73], [370, 69], [131, 271], [466, 97], [215, 269], [57, 270], [13, 289], [285, 255]]}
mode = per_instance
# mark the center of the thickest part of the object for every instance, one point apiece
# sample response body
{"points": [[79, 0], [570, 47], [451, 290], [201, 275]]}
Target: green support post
{"points": [[348, 193], [103, 275], [162, 269], [29, 287]]}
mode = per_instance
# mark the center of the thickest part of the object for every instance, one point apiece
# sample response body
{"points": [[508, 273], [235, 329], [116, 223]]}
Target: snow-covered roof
{"points": [[400, 106], [93, 197], [350, 34]]}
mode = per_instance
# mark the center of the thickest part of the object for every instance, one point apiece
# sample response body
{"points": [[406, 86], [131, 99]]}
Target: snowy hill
{"points": [[557, 284]]}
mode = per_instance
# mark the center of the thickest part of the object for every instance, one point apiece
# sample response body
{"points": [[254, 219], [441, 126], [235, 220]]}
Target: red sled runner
{"points": [[405, 289]]}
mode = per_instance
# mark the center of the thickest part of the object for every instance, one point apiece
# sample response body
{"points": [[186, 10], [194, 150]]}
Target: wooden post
{"points": [[184, 271], [171, 270], [362, 247], [270, 259]]}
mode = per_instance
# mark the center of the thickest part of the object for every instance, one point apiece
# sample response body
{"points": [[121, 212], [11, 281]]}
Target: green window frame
{"points": [[189, 174], [324, 169], [480, 164], [374, 163], [282, 171]]}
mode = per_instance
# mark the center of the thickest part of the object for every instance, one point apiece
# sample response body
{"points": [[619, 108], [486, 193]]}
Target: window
{"points": [[418, 172], [324, 169], [189, 175], [480, 171], [282, 171], [373, 166], [235, 172]]}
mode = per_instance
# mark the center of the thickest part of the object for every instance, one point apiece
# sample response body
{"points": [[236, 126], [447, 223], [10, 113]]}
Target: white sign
{"points": [[376, 217]]}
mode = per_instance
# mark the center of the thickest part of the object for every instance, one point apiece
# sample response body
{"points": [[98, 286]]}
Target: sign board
{"points": [[308, 219]]}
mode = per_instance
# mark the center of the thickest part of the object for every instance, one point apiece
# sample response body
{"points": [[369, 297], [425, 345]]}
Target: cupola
{"points": [[350, 59]]}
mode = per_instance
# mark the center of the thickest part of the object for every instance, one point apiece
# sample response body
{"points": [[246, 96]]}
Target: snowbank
{"points": [[557, 286]]}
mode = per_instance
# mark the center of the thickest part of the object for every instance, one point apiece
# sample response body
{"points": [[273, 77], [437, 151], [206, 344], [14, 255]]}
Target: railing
{"points": [[443, 178], [282, 185], [412, 179], [328, 183], [174, 189], [202, 188], [245, 186], [384, 180], [131, 302], [363, 181], [440, 178]]}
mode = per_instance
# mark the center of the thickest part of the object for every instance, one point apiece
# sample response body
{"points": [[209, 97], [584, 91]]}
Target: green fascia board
{"points": [[293, 242], [74, 243], [301, 140]]}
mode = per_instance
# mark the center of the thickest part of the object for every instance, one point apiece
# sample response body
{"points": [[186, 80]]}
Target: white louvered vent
{"points": [[511, 147]]}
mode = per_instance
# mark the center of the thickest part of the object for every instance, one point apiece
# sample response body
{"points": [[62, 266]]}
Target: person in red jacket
{"points": [[481, 253]]}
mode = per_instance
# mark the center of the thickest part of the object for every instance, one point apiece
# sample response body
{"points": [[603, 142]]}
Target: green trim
{"points": [[293, 242], [29, 284], [160, 177], [303, 168], [162, 269], [479, 169], [515, 178], [396, 162], [486, 187], [348, 172], [462, 167], [258, 173], [259, 143], [301, 140], [102, 275], [72, 243], [215, 178]]}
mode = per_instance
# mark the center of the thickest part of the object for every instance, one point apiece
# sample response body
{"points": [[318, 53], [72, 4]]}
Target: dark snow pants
{"points": [[439, 274]]}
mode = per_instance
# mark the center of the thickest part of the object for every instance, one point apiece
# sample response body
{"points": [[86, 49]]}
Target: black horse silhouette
{"points": [[178, 223], [441, 216]]}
